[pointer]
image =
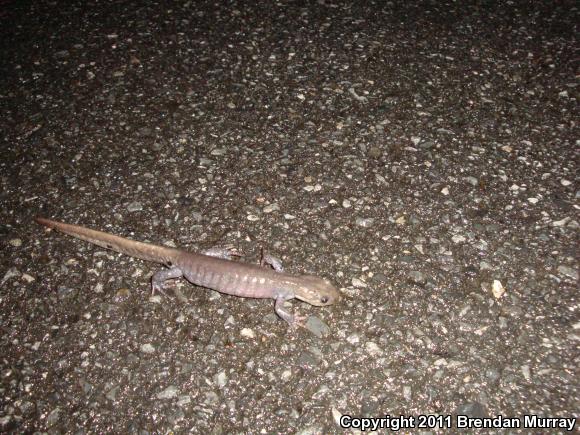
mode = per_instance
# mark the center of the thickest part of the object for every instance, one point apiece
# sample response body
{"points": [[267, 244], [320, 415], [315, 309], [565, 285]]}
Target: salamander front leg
{"points": [[293, 320], [159, 278]]}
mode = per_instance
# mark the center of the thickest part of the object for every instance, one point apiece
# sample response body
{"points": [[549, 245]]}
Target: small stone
{"points": [[458, 238], [484, 265], [271, 207], [417, 277], [533, 200], [248, 333], [16, 242], [373, 349], [526, 371], [358, 283], [184, 400], [353, 339], [497, 289], [472, 180], [365, 222], [169, 393], [375, 152], [445, 191], [122, 293], [472, 409], [28, 278], [134, 206], [568, 271], [221, 379], [317, 326], [561, 222], [147, 348], [10, 273], [53, 417], [346, 203], [112, 393]]}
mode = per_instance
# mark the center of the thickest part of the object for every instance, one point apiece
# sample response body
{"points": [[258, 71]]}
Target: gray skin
{"points": [[221, 274]]}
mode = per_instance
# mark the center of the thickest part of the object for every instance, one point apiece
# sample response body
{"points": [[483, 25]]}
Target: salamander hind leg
{"points": [[270, 260], [226, 253], [159, 278]]}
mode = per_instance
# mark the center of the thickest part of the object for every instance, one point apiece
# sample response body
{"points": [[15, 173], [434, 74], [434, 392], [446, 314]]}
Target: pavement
{"points": [[421, 155]]}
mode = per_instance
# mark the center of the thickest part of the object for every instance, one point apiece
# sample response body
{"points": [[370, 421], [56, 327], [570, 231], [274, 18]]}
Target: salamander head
{"points": [[316, 291]]}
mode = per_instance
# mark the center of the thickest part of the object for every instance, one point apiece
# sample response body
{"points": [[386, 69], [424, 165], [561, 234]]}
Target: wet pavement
{"points": [[421, 155]]}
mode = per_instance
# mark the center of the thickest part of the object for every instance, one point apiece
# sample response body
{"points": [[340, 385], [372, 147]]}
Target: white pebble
{"points": [[458, 238], [147, 348], [248, 333], [358, 283], [271, 207], [497, 289], [365, 222], [373, 349], [169, 393]]}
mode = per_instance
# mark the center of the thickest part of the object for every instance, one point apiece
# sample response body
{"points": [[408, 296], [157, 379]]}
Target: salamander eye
{"points": [[324, 299]]}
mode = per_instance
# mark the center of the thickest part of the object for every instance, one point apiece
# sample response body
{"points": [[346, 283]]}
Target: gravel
{"points": [[422, 155]]}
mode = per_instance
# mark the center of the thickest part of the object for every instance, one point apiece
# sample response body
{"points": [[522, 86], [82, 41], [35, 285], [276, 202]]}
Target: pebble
{"points": [[417, 277], [16, 242], [373, 349], [471, 180], [561, 222], [169, 393], [497, 289], [218, 152], [134, 206], [458, 238], [221, 379], [271, 207], [248, 333], [317, 326], [568, 271], [365, 222], [147, 348]]}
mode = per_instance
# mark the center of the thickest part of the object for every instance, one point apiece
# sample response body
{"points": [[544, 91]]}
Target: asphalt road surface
{"points": [[421, 155]]}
